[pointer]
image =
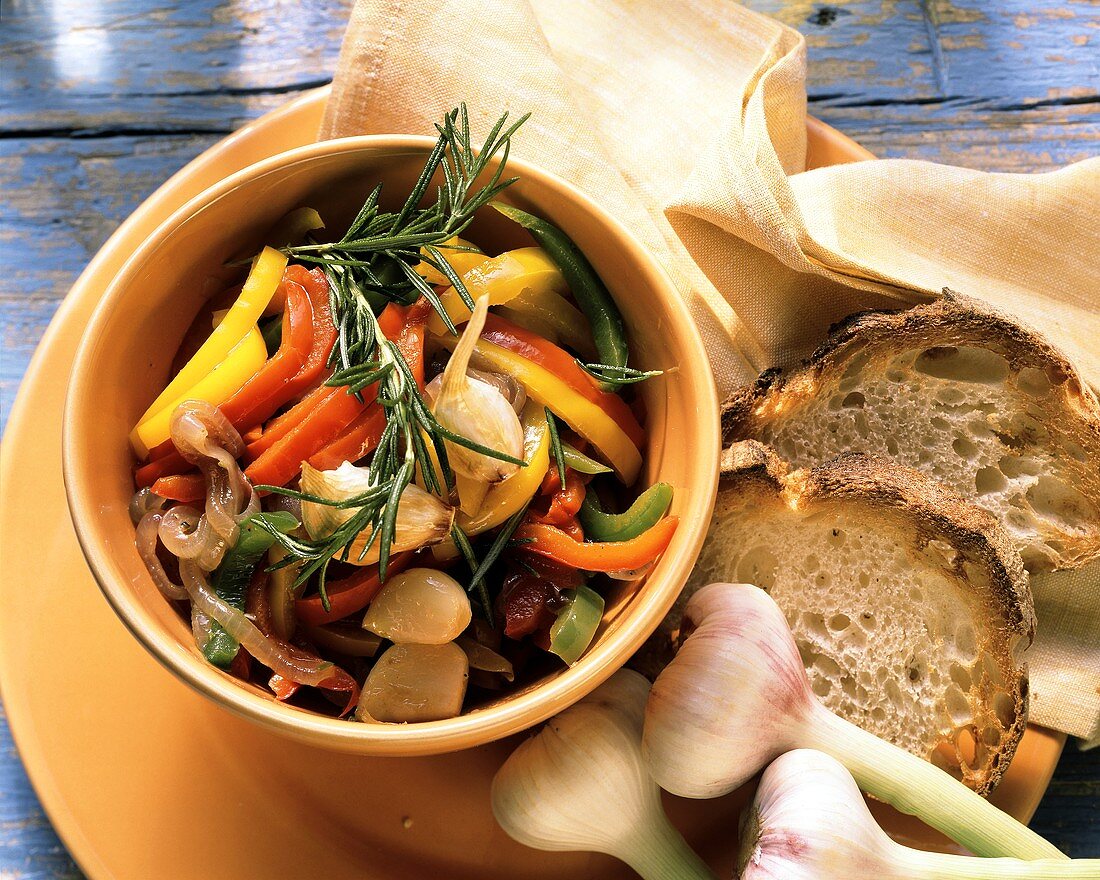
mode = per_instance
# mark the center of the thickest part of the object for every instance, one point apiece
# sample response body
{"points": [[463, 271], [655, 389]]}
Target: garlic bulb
{"points": [[422, 519], [419, 606], [736, 697], [809, 821], [581, 784], [478, 411]]}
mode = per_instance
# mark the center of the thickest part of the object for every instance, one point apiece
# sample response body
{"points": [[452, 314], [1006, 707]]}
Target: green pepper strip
{"points": [[571, 633], [231, 578], [581, 463], [591, 294], [644, 513]]}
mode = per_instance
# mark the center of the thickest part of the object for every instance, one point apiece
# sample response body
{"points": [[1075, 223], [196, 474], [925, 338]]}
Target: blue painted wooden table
{"points": [[102, 101]]}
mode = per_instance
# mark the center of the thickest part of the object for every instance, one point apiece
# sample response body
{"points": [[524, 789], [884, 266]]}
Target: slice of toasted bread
{"points": [[909, 605], [961, 393]]}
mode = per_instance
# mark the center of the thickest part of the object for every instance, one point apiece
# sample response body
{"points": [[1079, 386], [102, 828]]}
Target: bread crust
{"points": [[754, 475], [952, 320]]}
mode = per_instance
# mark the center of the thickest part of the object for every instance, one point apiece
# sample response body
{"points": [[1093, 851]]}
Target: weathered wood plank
{"points": [[101, 102], [204, 65]]}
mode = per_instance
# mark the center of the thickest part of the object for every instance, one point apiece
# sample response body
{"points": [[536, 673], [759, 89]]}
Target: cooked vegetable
{"points": [[459, 254], [349, 595], [415, 683], [239, 323], [420, 606], [320, 398], [581, 784], [422, 519], [576, 624], [608, 329], [225, 377], [477, 411], [643, 514], [809, 821], [232, 577], [598, 556], [584, 416], [736, 696], [501, 279]]}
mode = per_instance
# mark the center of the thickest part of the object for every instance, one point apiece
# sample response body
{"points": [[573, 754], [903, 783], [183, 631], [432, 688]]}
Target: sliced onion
{"points": [[147, 549], [202, 627], [485, 658], [143, 502], [203, 435], [282, 659]]}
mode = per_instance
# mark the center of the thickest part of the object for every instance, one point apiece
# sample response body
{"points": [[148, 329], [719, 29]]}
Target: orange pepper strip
{"points": [[181, 487], [353, 593], [562, 364], [553, 543]]}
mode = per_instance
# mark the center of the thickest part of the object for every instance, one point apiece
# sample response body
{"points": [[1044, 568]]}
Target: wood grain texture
{"points": [[101, 101]]}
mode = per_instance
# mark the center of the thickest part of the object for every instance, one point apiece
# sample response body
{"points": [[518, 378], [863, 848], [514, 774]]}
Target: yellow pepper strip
{"points": [[294, 227], [548, 314], [581, 414], [508, 496], [461, 261], [216, 387], [259, 287], [503, 278]]}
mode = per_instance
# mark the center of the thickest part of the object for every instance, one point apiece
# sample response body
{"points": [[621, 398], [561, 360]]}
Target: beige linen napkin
{"points": [[687, 121]]}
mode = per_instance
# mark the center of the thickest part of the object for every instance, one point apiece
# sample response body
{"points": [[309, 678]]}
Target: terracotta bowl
{"points": [[123, 362]]}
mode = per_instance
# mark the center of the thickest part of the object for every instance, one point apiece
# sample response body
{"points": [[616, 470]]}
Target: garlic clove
{"points": [[412, 683], [419, 606], [478, 411], [422, 518]]}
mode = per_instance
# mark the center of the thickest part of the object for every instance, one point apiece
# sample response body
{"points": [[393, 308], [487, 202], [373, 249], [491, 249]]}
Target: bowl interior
{"points": [[128, 347]]}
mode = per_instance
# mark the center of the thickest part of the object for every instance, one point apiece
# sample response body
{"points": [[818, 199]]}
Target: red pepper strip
{"points": [[358, 438], [241, 667], [278, 428], [308, 336], [279, 463], [598, 556], [562, 364], [260, 609], [363, 434], [334, 415], [181, 487], [353, 593], [565, 502]]}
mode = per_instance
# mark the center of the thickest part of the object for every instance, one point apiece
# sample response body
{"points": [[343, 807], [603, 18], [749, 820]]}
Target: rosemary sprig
{"points": [[555, 444], [619, 375], [372, 265]]}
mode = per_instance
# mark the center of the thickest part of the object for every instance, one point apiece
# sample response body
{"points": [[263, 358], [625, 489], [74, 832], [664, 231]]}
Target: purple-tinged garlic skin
{"points": [[808, 821], [734, 697]]}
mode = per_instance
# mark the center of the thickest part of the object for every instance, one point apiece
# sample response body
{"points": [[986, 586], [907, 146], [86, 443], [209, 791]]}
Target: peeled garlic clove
{"points": [[411, 683], [420, 606], [477, 411]]}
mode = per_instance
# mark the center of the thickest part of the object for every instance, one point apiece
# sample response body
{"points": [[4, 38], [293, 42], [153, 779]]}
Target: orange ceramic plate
{"points": [[145, 778]]}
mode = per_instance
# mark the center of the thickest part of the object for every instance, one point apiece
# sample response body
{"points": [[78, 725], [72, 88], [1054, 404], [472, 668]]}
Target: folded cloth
{"points": [[687, 121]]}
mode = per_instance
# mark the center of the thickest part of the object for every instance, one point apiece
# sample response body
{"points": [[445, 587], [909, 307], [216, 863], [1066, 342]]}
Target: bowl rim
{"points": [[424, 738]]}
